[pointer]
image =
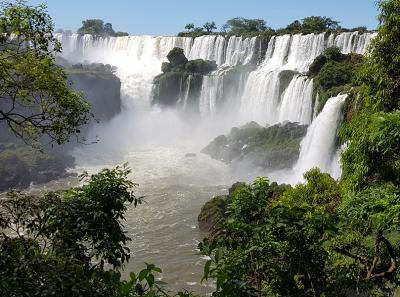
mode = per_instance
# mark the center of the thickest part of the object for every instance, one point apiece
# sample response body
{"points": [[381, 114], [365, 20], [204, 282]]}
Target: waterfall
{"points": [[240, 50], [264, 97], [261, 100], [260, 97], [211, 90], [296, 105], [318, 146]]}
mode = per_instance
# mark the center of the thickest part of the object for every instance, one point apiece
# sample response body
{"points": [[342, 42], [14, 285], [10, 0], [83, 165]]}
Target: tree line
{"points": [[244, 26]]}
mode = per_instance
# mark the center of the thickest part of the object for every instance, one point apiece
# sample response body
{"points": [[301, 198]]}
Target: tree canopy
{"points": [[241, 25], [36, 98], [97, 27]]}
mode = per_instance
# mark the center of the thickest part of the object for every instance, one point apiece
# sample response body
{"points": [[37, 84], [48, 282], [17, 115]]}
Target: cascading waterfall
{"points": [[318, 146], [211, 90], [296, 105], [138, 58], [295, 53], [266, 94], [260, 97]]}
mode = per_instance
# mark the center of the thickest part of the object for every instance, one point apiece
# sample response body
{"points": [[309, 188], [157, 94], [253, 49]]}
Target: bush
{"points": [[200, 66], [177, 57]]}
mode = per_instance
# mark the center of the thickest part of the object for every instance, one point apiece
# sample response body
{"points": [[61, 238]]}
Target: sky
{"points": [[168, 17]]}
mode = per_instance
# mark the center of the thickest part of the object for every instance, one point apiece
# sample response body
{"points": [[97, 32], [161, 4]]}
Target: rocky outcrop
{"points": [[21, 165], [180, 76], [276, 147], [215, 210], [100, 87]]}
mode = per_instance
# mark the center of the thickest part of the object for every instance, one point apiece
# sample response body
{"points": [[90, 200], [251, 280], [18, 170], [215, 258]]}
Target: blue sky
{"points": [[167, 17]]}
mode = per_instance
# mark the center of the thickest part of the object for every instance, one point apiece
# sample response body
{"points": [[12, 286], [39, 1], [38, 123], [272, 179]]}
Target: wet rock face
{"points": [[101, 89], [276, 147], [22, 165]]}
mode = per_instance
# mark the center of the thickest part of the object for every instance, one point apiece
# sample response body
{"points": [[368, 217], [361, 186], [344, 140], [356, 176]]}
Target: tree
{"points": [[58, 244], [108, 29], [98, 28], [92, 26], [189, 27], [294, 27], [241, 25], [224, 28], [274, 246], [36, 98], [210, 26], [317, 24]]}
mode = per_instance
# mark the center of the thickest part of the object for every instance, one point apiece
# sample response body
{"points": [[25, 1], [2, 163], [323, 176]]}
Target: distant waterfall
{"points": [[318, 146], [139, 58], [261, 100], [269, 91]]}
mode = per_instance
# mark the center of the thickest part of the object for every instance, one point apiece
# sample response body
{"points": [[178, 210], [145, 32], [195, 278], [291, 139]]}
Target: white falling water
{"points": [[260, 98], [318, 146], [261, 101], [351, 42], [240, 50], [208, 48], [296, 105], [316, 104], [211, 90]]}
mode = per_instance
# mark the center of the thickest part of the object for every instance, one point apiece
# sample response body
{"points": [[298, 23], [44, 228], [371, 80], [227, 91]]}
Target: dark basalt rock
{"points": [[102, 89], [178, 75]]}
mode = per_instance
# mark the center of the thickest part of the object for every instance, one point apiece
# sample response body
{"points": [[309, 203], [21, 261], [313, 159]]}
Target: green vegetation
{"points": [[269, 246], [325, 237], [240, 26], [333, 72], [97, 27], [176, 73], [275, 147], [312, 24], [35, 98], [72, 242]]}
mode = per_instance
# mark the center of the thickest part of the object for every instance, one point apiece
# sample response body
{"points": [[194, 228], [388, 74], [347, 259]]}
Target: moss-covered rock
{"points": [[275, 147], [178, 75], [214, 211], [200, 66], [21, 165], [176, 57], [333, 73]]}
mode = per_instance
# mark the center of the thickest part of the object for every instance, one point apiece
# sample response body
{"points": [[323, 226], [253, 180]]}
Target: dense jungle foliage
{"points": [[326, 237]]}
